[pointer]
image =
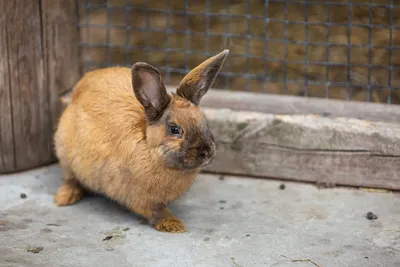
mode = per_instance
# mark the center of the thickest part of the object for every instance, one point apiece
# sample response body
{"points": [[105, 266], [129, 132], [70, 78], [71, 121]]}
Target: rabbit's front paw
{"points": [[170, 225]]}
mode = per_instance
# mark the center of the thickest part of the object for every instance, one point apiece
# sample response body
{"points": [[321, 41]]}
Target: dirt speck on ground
{"points": [[22, 195], [116, 233], [234, 262], [371, 216], [282, 187], [221, 178], [34, 250], [222, 201], [107, 238], [326, 114], [53, 224], [46, 230]]}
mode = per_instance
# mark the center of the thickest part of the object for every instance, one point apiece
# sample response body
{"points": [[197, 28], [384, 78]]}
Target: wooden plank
{"points": [[310, 148], [40, 42], [7, 159], [61, 42], [28, 92], [278, 104], [306, 148]]}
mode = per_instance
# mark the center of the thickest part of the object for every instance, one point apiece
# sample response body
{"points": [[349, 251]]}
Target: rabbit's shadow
{"points": [[114, 211], [187, 207]]}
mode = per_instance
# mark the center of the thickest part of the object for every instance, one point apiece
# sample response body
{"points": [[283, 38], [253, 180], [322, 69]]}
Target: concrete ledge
{"points": [[303, 147]]}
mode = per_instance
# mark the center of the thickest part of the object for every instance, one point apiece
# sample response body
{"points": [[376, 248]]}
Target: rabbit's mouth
{"points": [[207, 161], [188, 164]]}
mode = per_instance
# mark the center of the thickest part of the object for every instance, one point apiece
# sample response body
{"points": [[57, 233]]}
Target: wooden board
{"points": [[7, 159], [32, 40], [306, 148], [61, 45], [309, 148], [280, 104]]}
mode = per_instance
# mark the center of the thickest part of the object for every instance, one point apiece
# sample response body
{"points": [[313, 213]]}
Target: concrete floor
{"points": [[231, 222]]}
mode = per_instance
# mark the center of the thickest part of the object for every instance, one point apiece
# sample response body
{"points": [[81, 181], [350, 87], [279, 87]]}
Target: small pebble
{"points": [[110, 249], [371, 216], [206, 239], [222, 201], [282, 187], [23, 195], [247, 235], [126, 229], [365, 257]]}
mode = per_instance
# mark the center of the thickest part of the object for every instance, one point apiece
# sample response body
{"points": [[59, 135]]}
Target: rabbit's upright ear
{"points": [[197, 82], [149, 90]]}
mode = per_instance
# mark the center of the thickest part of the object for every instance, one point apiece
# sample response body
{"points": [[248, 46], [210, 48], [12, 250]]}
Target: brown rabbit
{"points": [[125, 137]]}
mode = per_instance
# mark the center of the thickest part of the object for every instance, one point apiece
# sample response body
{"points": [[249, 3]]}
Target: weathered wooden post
{"points": [[39, 59]]}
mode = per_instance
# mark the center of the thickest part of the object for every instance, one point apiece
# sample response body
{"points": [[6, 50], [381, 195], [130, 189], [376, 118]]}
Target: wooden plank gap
{"points": [[10, 94]]}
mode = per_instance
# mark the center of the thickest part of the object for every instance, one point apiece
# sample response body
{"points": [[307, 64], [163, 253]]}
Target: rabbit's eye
{"points": [[174, 130]]}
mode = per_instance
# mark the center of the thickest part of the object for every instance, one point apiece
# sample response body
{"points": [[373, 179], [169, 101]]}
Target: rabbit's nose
{"points": [[206, 151]]}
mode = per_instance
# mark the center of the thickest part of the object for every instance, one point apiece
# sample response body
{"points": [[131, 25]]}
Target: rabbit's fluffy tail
{"points": [[66, 97]]}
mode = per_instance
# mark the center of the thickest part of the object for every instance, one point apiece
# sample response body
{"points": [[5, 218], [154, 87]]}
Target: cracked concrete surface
{"points": [[231, 222]]}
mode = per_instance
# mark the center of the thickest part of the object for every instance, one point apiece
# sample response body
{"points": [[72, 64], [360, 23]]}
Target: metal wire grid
{"points": [[88, 6]]}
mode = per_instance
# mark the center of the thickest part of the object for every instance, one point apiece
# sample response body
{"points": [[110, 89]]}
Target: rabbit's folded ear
{"points": [[149, 90], [197, 82]]}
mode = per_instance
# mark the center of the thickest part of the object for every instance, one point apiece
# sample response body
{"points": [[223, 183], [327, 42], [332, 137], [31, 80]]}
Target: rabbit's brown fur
{"points": [[113, 139]]}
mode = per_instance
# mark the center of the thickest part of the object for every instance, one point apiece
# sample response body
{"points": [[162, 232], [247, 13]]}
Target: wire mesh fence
{"points": [[339, 49]]}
